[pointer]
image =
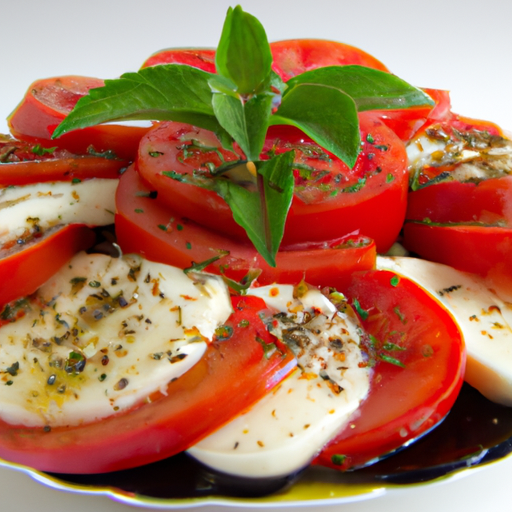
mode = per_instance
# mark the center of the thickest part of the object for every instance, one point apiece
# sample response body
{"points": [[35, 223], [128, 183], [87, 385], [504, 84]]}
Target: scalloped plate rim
{"points": [[128, 498]]}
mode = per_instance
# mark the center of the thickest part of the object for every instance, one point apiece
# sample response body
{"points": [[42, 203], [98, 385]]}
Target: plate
{"points": [[476, 432], [438, 44]]}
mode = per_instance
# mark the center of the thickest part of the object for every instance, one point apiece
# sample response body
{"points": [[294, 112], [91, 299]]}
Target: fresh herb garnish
{"points": [[41, 151], [239, 103]]}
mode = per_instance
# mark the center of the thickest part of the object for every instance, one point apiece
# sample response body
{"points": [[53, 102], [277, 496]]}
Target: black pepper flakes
{"points": [[121, 384]]}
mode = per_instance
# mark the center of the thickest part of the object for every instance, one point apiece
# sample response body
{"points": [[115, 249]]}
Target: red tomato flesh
{"points": [[330, 199], [408, 122], [486, 202], [291, 57], [464, 224], [295, 56], [483, 250], [202, 58], [231, 376], [24, 163], [48, 101], [24, 268], [150, 228], [404, 402]]}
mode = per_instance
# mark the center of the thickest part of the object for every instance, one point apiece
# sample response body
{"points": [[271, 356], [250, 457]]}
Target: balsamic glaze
{"points": [[476, 431]]}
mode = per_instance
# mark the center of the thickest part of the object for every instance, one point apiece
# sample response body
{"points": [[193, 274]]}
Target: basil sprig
{"points": [[239, 103]]}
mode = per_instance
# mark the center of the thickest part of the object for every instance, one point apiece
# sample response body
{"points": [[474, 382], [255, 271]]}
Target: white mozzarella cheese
{"points": [[90, 202], [102, 335], [484, 318], [421, 149], [285, 430], [474, 157]]}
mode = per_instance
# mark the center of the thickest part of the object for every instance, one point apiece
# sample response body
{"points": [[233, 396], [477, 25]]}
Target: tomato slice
{"points": [[407, 122], [23, 163], [295, 56], [202, 58], [460, 213], [291, 57], [486, 202], [24, 268], [404, 402], [330, 199], [233, 374], [148, 227], [48, 101], [483, 250]]}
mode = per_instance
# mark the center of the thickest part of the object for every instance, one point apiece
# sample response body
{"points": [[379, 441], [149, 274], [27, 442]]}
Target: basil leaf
{"points": [[276, 82], [262, 213], [371, 89], [324, 113], [243, 54], [245, 121], [166, 92]]}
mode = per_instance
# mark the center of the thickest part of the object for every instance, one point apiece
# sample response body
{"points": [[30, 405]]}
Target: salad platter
{"points": [[474, 439]]}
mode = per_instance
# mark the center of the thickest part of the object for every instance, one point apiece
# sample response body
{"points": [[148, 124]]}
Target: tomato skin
{"points": [[326, 208], [403, 402], [231, 376], [48, 101], [24, 163], [202, 58], [62, 169], [487, 202], [23, 271], [377, 209], [290, 57], [148, 227], [295, 56], [463, 224], [406, 123], [483, 250]]}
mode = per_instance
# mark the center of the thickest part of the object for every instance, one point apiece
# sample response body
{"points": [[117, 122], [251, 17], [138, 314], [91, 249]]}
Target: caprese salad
{"points": [[241, 312]]}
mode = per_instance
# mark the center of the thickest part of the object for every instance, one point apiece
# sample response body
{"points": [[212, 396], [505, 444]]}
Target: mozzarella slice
{"points": [[101, 336], [90, 202], [483, 317], [284, 431], [472, 156]]}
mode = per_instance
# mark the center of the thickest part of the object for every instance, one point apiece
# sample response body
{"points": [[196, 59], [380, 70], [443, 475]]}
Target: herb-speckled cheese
{"points": [[286, 429], [484, 319], [90, 202], [102, 335]]}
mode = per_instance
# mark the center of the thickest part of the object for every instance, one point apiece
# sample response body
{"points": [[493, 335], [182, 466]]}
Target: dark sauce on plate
{"points": [[475, 432]]}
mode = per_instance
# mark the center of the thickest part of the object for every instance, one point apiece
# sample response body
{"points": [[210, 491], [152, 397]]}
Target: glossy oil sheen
{"points": [[475, 432]]}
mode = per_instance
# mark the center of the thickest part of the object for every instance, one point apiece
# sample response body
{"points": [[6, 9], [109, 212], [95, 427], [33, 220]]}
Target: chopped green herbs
{"points": [[41, 151], [394, 281], [223, 333], [13, 369], [360, 311], [338, 460]]}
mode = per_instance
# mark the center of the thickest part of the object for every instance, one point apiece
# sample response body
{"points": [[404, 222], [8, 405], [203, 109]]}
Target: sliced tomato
{"points": [[407, 122], [460, 214], [330, 199], [484, 250], [291, 57], [413, 393], [150, 228], [295, 56], [486, 202], [233, 374], [23, 163], [26, 266], [202, 58], [48, 101]]}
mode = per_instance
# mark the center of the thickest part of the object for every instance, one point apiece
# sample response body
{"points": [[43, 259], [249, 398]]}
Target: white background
{"points": [[464, 46]]}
